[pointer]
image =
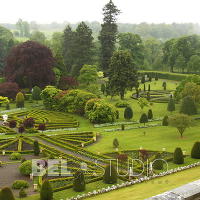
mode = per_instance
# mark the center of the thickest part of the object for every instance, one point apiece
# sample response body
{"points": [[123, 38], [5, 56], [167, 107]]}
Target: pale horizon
{"points": [[135, 12]]}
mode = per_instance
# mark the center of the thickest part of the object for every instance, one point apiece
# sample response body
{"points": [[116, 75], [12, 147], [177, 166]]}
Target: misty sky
{"points": [[133, 11]]}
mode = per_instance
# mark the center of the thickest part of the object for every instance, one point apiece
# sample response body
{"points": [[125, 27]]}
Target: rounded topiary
{"points": [[171, 105], [36, 148], [36, 93], [6, 194], [165, 121], [46, 192], [195, 153], [12, 124], [188, 106], [15, 156], [20, 100], [150, 114], [22, 193], [79, 181], [110, 175], [143, 118], [26, 168], [158, 163], [128, 113], [115, 143], [18, 184], [164, 85], [178, 156]]}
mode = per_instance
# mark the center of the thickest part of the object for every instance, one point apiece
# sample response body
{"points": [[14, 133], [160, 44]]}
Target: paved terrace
{"points": [[190, 191]]}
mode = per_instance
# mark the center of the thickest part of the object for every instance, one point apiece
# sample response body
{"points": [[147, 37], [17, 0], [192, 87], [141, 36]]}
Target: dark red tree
{"points": [[29, 122], [12, 124], [30, 64], [42, 127], [67, 82], [9, 89]]}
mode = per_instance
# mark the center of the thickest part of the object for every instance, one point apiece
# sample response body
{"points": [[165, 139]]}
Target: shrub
{"points": [[188, 106], [9, 89], [122, 127], [150, 114], [22, 193], [20, 100], [21, 129], [100, 112], [15, 156], [36, 148], [36, 93], [195, 153], [42, 127], [110, 175], [115, 143], [18, 184], [171, 105], [6, 194], [143, 118], [29, 122], [79, 181], [67, 82], [12, 124], [178, 156], [128, 113], [121, 104], [165, 121], [26, 168], [164, 84], [46, 192], [158, 163]]}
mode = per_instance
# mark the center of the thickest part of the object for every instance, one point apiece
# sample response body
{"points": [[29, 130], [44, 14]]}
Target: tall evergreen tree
{"points": [[122, 74], [188, 106], [110, 175], [108, 34], [144, 118], [83, 47]]}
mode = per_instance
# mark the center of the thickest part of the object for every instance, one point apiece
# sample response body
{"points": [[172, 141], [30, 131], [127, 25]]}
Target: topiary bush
{"points": [[158, 163], [79, 181], [178, 156], [22, 193], [115, 143], [128, 113], [165, 121], [36, 93], [188, 106], [46, 192], [26, 168], [18, 184], [15, 156], [171, 105], [12, 124], [42, 127], [6, 194], [195, 153], [143, 118], [36, 148], [110, 175], [20, 100], [29, 122], [150, 114]]}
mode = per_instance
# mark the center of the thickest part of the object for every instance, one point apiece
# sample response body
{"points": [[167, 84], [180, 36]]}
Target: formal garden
{"points": [[87, 117]]}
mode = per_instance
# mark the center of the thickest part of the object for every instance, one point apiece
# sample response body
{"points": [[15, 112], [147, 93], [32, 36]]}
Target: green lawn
{"points": [[152, 187]]}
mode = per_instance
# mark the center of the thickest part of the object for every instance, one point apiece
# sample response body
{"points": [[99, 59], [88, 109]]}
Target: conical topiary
{"points": [[79, 181], [6, 194], [171, 105], [178, 156], [128, 113], [36, 93], [143, 118], [115, 143], [165, 121], [150, 114], [195, 153], [110, 175], [46, 192], [19, 100], [36, 148]]}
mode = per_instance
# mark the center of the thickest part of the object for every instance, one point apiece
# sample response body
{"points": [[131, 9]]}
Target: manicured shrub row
{"points": [[6, 130], [165, 75]]}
